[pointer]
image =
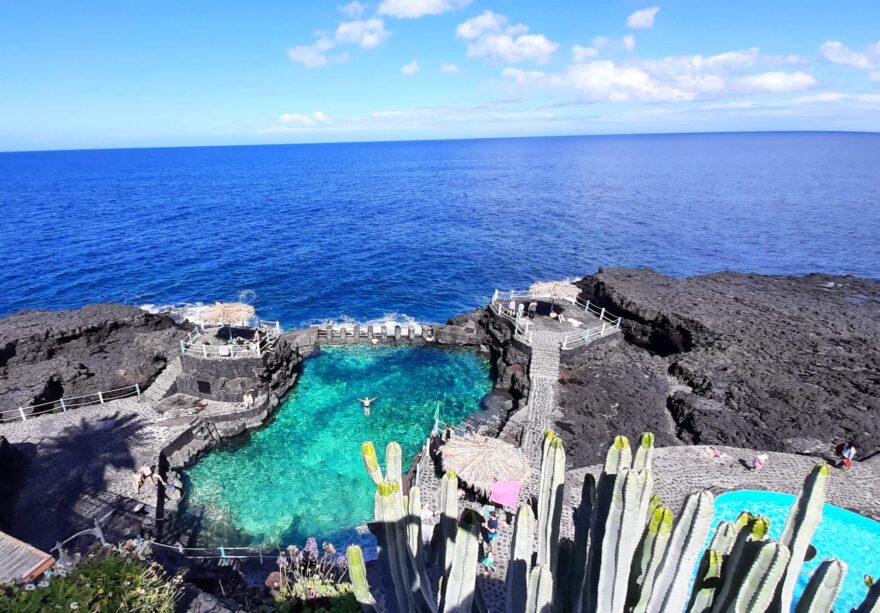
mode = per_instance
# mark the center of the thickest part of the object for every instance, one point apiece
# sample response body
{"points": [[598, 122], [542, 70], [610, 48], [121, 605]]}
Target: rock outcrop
{"points": [[46, 355], [778, 363]]}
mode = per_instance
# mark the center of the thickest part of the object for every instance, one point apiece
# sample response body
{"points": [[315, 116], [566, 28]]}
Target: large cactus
{"points": [[803, 519], [357, 573], [550, 501], [628, 554], [520, 562]]}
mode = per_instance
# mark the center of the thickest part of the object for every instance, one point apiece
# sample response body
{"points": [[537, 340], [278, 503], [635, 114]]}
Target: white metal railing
{"points": [[269, 332], [65, 404], [500, 305]]}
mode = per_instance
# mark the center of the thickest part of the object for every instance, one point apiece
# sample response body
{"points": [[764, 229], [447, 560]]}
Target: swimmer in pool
{"points": [[366, 402]]}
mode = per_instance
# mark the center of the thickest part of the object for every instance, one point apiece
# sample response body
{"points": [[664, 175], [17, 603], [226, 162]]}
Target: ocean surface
{"points": [[425, 229]]}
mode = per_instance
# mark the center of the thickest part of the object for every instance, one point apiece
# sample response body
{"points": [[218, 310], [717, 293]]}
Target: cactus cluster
{"points": [[629, 553]]}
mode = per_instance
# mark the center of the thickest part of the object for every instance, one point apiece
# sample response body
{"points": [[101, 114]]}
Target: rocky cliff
{"points": [[771, 362], [46, 355]]}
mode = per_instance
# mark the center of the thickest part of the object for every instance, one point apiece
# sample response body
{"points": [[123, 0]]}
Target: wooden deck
{"points": [[19, 562]]}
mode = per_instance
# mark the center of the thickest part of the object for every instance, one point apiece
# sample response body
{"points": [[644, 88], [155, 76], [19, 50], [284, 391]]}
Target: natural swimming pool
{"points": [[302, 475], [841, 534]]}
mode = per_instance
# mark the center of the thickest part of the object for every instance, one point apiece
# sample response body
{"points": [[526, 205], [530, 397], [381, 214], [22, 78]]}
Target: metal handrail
{"points": [[69, 403]]}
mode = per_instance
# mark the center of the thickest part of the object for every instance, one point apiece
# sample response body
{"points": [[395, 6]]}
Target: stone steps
{"points": [[163, 382]]}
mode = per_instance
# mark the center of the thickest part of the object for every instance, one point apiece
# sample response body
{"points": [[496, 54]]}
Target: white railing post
{"points": [[587, 306], [603, 329], [278, 327], [63, 406], [204, 351], [617, 325], [23, 416], [602, 314], [137, 388], [101, 397], [182, 347]]}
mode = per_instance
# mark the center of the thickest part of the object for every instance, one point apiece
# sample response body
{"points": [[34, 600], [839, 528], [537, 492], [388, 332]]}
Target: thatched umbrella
{"points": [[228, 313], [482, 461], [556, 290]]}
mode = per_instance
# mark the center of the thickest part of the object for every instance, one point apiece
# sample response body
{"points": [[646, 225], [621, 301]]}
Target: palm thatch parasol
{"points": [[481, 461], [228, 313], [556, 290]]}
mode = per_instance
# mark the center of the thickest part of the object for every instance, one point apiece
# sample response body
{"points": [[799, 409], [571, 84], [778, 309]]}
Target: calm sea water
{"points": [[426, 229]]}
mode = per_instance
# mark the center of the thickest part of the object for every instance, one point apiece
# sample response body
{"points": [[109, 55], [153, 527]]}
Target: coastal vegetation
{"points": [[107, 579], [629, 553]]}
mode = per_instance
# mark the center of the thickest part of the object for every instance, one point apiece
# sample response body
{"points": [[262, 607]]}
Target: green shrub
{"points": [[106, 581]]}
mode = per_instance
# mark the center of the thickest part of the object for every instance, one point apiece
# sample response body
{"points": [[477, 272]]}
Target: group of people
{"points": [[532, 309]]}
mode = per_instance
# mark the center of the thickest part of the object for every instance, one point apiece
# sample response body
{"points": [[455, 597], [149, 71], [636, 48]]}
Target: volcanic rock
{"points": [[781, 363]]}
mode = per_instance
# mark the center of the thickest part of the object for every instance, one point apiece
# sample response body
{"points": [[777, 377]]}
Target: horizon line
{"points": [[441, 140]]}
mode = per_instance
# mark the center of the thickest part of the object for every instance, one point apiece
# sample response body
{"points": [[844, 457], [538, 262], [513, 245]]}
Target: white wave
{"points": [[389, 320]]}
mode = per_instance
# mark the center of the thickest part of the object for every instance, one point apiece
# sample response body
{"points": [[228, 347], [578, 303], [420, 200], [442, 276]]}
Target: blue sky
{"points": [[127, 74]]}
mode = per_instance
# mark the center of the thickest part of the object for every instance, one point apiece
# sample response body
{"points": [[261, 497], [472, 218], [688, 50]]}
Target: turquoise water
{"points": [[842, 534], [302, 474]]}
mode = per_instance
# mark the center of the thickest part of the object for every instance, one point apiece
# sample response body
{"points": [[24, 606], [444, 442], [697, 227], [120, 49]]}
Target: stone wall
{"points": [[222, 379]]}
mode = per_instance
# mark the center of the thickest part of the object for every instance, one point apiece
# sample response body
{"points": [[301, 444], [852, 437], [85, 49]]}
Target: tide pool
{"points": [[302, 474]]}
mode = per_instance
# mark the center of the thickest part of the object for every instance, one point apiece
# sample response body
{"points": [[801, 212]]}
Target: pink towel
{"points": [[506, 493]]}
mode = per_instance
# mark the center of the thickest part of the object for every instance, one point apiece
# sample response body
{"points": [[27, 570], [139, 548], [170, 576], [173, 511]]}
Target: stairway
{"points": [[159, 388]]}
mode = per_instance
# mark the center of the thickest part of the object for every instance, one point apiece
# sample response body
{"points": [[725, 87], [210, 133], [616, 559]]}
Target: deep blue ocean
{"points": [[425, 229]]}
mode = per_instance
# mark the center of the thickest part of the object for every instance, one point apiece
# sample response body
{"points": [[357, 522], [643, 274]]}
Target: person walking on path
{"points": [[533, 308]]}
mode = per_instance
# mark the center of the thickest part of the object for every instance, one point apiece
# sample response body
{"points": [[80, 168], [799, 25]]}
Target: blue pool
{"points": [[842, 534], [302, 475]]}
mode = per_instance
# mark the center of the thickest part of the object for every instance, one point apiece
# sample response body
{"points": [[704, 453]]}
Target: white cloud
{"points": [[629, 41], [367, 33], [868, 59], [643, 18], [353, 9], [448, 68], [299, 119], [776, 82], [413, 9], [835, 97], [490, 36], [581, 54], [411, 68], [670, 79], [601, 41], [312, 56]]}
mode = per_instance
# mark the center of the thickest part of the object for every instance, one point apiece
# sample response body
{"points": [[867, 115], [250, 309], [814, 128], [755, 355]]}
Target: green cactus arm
{"points": [[652, 505], [393, 462], [550, 503], [617, 458], [392, 546], [751, 532], [411, 569], [871, 603], [540, 598], [619, 455], [414, 521], [629, 503], [708, 578], [371, 462], [448, 519], [518, 568], [357, 574], [803, 519], [725, 536], [583, 517], [644, 452], [758, 590], [647, 561], [669, 592], [823, 588], [459, 585]]}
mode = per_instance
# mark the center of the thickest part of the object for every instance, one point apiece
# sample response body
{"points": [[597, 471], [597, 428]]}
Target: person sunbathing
{"points": [[143, 474]]}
